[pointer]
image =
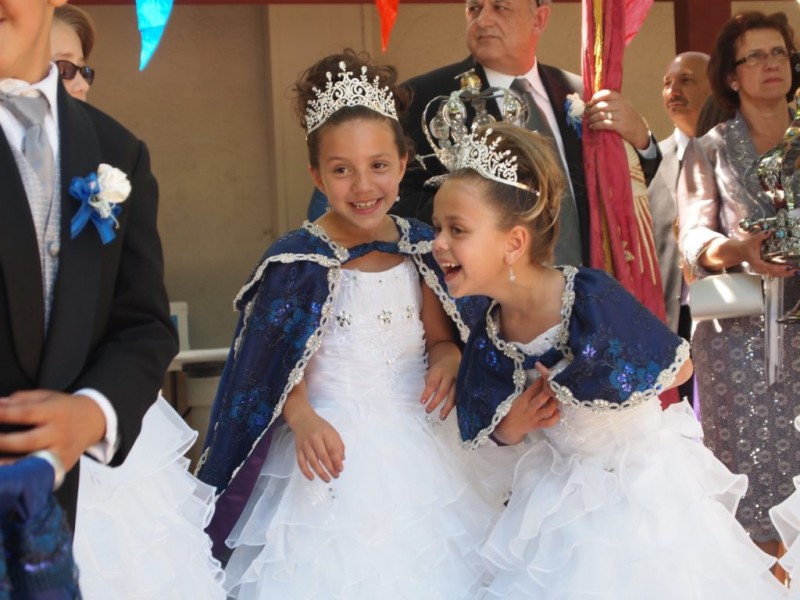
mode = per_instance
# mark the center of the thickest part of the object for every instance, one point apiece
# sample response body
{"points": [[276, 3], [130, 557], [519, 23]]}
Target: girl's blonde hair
{"points": [[538, 168]]}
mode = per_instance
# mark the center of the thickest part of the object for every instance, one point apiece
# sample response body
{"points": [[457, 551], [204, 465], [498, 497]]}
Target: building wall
{"points": [[214, 107]]}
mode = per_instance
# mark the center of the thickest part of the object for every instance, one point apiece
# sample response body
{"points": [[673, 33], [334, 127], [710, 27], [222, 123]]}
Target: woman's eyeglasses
{"points": [[759, 57], [68, 71]]}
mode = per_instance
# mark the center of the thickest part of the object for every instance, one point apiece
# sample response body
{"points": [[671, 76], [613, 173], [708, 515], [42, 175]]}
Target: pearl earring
{"points": [[735, 87], [511, 275]]}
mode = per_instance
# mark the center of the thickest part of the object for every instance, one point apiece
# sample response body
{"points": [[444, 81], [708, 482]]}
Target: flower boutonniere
{"points": [[575, 107], [100, 195]]}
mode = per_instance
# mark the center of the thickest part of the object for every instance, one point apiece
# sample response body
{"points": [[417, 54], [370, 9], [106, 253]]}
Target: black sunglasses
{"points": [[68, 71]]}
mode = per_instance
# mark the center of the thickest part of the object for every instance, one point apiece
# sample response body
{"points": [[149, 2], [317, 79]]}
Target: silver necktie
{"points": [[568, 249], [31, 111]]}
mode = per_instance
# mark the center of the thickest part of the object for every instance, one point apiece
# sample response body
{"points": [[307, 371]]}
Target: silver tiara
{"points": [[349, 91], [454, 140], [479, 154]]}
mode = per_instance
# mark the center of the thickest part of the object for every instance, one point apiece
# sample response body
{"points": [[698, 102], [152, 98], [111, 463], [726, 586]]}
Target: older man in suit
{"points": [[686, 88], [85, 331], [502, 36]]}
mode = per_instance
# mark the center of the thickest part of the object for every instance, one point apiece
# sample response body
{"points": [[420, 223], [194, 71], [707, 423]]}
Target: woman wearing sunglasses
{"points": [[71, 43]]}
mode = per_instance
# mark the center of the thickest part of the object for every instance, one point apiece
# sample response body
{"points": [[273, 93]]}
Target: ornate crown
{"points": [[349, 91], [479, 154], [454, 140]]}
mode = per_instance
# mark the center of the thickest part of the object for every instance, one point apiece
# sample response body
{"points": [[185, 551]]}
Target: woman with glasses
{"points": [[747, 424], [71, 43]]}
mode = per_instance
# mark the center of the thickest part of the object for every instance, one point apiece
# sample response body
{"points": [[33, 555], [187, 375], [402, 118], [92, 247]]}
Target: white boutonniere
{"points": [[575, 107], [100, 195]]}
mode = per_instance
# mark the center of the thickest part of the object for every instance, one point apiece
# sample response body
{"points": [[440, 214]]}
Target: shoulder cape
{"points": [[283, 307], [618, 354]]}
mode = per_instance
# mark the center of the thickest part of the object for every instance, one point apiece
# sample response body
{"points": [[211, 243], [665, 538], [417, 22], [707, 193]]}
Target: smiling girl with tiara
{"points": [[343, 366], [619, 500]]}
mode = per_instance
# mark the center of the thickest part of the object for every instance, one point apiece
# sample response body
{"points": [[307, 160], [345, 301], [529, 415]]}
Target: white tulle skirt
{"points": [[139, 530], [786, 518], [403, 521], [625, 506]]}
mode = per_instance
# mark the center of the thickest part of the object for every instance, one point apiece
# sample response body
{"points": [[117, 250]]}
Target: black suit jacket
{"points": [[417, 201], [110, 327], [662, 193]]}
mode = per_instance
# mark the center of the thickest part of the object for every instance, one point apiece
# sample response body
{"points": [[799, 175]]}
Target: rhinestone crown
{"points": [[478, 153], [349, 91]]}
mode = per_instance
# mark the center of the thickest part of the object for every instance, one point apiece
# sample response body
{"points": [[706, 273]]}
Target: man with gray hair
{"points": [[502, 36]]}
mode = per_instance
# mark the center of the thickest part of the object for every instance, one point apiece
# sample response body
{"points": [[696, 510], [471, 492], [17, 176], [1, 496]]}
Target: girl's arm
{"points": [[318, 445], [443, 356]]}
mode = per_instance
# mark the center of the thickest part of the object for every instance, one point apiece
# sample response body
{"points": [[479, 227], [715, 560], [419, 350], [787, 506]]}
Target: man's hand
{"points": [[610, 111], [63, 423]]}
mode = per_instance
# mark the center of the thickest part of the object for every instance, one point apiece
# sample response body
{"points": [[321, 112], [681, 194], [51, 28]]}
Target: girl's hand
{"points": [[319, 447], [440, 382], [535, 408]]}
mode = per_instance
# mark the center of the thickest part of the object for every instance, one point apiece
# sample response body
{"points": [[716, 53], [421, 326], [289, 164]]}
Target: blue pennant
{"points": [[84, 189], [152, 16]]}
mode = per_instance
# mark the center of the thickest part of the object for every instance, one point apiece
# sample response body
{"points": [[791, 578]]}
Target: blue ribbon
{"points": [[575, 122], [152, 16], [84, 189]]}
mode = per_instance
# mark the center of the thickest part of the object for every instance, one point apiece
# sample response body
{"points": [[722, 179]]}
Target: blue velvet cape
{"points": [[283, 307], [618, 355]]}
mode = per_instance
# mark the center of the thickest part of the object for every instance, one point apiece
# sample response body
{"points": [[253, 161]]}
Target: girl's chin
{"points": [[455, 290]]}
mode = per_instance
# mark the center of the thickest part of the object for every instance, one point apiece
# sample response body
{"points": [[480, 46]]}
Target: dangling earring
{"points": [[511, 276], [396, 200]]}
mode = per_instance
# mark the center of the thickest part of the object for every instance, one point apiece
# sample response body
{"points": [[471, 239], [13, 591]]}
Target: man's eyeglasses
{"points": [[757, 58], [68, 71]]}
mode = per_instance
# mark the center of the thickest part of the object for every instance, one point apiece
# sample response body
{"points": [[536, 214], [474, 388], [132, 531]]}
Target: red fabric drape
{"points": [[621, 228], [621, 242]]}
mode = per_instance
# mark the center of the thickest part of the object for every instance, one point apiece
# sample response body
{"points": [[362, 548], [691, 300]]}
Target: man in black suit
{"points": [[502, 36], [85, 330], [685, 90]]}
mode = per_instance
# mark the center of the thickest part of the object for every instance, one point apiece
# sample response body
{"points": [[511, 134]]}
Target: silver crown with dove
{"points": [[348, 91], [455, 141]]}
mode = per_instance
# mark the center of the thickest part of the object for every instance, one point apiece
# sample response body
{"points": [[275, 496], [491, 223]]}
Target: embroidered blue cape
{"points": [[36, 561], [618, 354], [283, 307]]}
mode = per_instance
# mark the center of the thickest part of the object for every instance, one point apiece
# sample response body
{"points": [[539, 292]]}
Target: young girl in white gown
{"points": [[345, 358], [619, 500], [139, 526]]}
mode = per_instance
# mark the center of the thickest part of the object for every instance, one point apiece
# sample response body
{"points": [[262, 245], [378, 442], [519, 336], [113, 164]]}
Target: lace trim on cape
{"points": [[334, 266], [562, 393]]}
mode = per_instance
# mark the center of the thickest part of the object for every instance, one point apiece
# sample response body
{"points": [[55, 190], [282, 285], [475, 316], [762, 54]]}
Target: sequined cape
{"points": [[284, 307], [36, 561], [617, 354]]}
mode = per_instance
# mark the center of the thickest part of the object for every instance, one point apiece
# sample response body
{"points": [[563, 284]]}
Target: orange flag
{"points": [[387, 9]]}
